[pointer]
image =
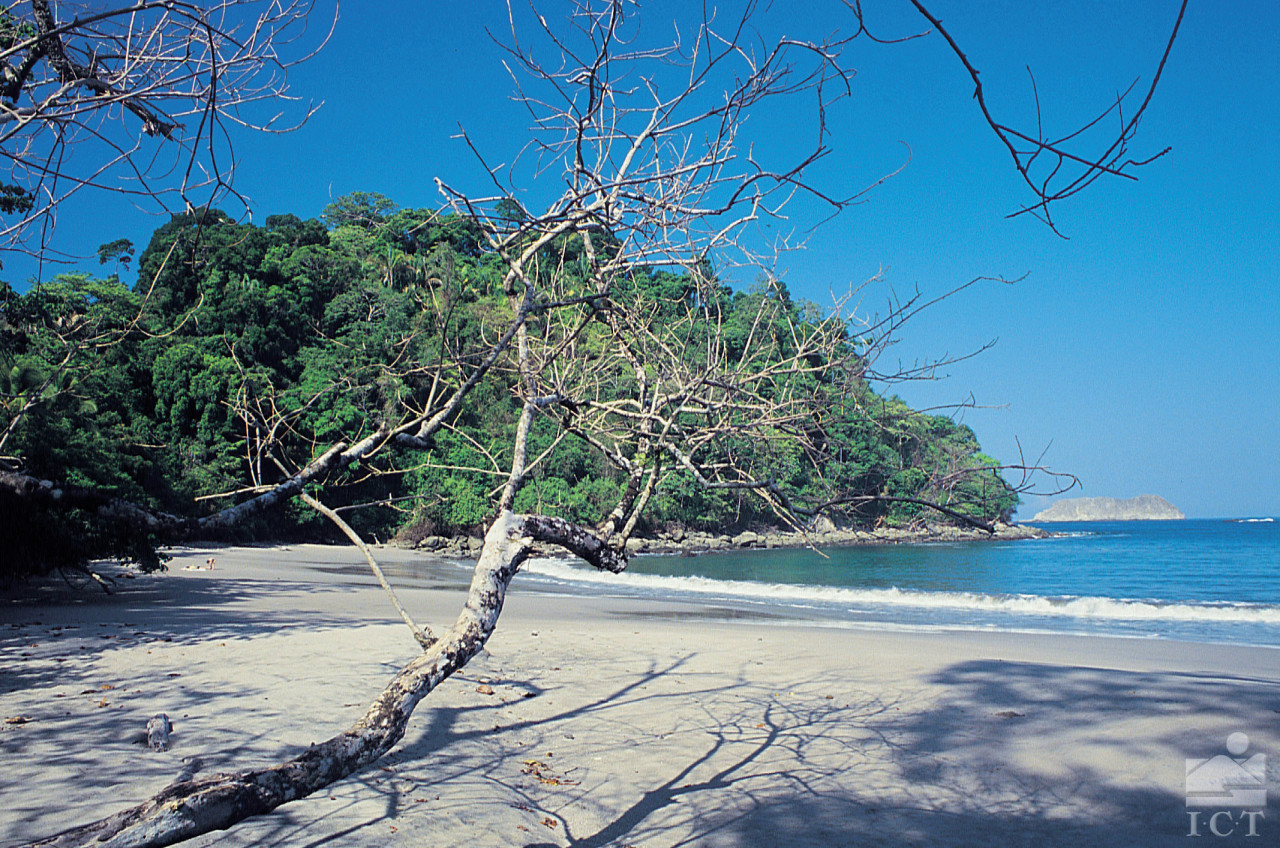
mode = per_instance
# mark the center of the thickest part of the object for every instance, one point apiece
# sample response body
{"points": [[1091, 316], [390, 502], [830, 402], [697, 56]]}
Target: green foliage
{"points": [[311, 329], [15, 199], [72, 385], [360, 209], [120, 250]]}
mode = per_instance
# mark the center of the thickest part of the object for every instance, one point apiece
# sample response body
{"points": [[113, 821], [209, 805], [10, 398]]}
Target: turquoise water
{"points": [[1201, 580]]}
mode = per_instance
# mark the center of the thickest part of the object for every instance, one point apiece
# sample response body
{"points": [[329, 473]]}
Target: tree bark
{"points": [[218, 801]]}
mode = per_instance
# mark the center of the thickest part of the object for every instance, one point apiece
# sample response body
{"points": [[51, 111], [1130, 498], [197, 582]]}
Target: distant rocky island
{"points": [[1141, 508]]}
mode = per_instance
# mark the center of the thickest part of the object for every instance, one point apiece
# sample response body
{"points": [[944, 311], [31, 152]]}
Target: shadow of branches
{"points": [[590, 737], [678, 753]]}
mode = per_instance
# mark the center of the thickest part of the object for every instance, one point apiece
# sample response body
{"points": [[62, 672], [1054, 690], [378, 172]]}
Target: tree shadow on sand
{"points": [[1005, 753], [44, 623], [513, 752], [82, 671]]}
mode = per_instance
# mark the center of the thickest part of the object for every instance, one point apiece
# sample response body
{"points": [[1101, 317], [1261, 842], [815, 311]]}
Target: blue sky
{"points": [[1143, 351]]}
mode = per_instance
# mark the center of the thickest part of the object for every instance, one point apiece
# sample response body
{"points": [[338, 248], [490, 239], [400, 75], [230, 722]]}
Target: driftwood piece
{"points": [[190, 766], [158, 729]]}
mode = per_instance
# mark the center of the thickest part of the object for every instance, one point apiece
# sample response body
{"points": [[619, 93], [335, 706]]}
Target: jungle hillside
{"points": [[165, 391]]}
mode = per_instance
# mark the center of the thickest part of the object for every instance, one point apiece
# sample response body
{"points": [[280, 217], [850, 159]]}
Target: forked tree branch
{"points": [[661, 175], [422, 635], [1024, 148], [147, 94]]}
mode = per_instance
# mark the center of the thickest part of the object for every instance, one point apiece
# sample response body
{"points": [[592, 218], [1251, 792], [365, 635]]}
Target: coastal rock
{"points": [[822, 525], [158, 729], [693, 542], [1141, 508], [1017, 531]]}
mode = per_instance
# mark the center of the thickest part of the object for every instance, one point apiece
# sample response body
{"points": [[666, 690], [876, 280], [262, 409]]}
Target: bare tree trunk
{"points": [[669, 178], [218, 801]]}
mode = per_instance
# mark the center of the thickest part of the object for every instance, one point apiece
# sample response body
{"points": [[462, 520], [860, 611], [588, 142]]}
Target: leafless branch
{"points": [[1071, 172], [141, 99], [421, 634]]}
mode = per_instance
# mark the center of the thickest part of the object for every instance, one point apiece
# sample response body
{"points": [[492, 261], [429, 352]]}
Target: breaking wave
{"points": [[1084, 608]]}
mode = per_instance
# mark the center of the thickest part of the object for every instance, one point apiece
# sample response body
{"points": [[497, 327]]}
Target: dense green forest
{"points": [[178, 391]]}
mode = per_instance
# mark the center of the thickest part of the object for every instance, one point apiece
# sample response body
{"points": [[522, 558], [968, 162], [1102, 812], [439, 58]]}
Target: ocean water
{"points": [[1196, 580]]}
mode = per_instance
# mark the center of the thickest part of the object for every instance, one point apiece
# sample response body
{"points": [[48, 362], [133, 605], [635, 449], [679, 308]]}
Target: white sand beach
{"points": [[607, 721]]}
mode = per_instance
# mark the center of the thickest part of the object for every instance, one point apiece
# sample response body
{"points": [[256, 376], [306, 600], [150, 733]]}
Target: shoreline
{"points": [[600, 720], [691, 543]]}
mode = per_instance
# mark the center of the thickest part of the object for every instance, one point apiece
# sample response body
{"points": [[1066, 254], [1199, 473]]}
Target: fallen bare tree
{"points": [[649, 150]]}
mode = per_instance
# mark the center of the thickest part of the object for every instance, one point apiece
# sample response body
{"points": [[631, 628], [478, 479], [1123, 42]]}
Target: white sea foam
{"points": [[1077, 607]]}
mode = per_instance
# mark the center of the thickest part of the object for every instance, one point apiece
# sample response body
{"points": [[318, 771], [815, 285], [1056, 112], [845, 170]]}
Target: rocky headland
{"points": [[1141, 508]]}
